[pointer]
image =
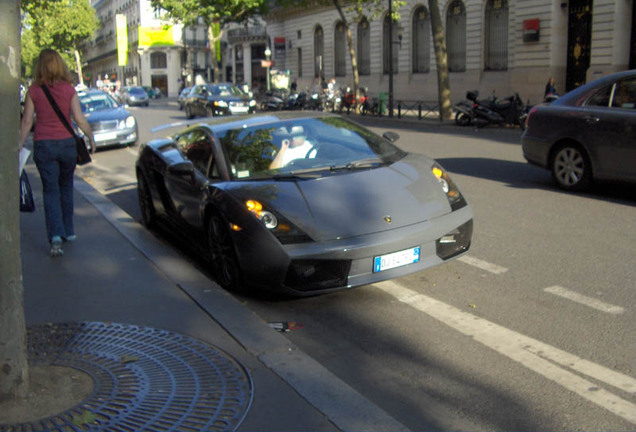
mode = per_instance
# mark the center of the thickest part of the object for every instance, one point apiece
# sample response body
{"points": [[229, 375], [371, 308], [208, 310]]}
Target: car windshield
{"points": [[310, 148], [225, 90], [97, 102], [136, 90]]}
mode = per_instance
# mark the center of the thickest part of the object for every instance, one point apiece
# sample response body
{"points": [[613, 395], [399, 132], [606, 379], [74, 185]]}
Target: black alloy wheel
{"points": [[571, 167], [223, 259], [147, 207]]}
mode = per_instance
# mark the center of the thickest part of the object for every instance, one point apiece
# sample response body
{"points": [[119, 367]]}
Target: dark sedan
{"points": [[218, 99], [302, 203], [588, 134], [110, 122], [134, 95]]}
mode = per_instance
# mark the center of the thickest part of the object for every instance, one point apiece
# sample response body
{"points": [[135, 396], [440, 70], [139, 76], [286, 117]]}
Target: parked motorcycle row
{"points": [[341, 100], [510, 111]]}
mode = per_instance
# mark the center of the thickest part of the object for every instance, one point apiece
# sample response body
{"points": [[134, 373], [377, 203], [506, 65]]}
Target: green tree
{"points": [[214, 14], [59, 24]]}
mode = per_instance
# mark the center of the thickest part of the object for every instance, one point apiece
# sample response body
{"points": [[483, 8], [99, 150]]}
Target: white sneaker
{"points": [[56, 247]]}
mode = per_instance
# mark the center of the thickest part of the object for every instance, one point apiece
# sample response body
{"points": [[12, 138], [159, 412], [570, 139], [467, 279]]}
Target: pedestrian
{"points": [[550, 90], [54, 150]]}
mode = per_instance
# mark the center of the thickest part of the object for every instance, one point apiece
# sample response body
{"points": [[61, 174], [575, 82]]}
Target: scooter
{"points": [[508, 111]]}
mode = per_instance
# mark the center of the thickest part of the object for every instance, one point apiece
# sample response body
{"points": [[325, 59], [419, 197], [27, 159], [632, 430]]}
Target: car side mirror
{"points": [[391, 136], [183, 168]]}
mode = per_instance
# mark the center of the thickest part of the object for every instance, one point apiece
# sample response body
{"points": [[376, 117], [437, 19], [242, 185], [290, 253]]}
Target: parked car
{"points": [[153, 93], [218, 99], [182, 96], [134, 95], [587, 134], [110, 122], [352, 210]]}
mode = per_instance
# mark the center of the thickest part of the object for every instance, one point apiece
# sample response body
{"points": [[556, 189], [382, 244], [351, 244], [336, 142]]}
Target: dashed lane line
{"points": [[546, 360], [584, 300], [484, 265]]}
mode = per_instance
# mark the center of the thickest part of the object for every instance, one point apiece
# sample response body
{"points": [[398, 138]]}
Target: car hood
{"points": [[107, 114], [355, 203]]}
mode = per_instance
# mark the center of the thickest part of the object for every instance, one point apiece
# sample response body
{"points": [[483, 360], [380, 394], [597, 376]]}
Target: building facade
{"points": [[498, 46]]}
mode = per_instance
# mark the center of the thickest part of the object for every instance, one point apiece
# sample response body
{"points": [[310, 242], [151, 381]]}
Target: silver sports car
{"points": [[301, 203]]}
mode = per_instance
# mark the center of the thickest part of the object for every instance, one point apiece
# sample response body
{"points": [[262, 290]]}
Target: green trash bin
{"points": [[382, 98]]}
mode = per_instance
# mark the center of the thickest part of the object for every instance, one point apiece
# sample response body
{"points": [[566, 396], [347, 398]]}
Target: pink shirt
{"points": [[47, 124]]}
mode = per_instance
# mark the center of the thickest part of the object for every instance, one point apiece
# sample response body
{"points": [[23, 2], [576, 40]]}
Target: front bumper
{"points": [[110, 137]]}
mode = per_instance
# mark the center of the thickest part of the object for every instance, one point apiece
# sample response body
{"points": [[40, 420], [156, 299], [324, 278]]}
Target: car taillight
{"points": [[532, 111]]}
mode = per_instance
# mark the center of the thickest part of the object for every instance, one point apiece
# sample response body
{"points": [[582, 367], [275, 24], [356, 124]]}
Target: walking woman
{"points": [[54, 150]]}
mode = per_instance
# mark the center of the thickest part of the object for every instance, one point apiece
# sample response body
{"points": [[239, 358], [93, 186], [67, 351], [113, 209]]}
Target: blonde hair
{"points": [[51, 68]]}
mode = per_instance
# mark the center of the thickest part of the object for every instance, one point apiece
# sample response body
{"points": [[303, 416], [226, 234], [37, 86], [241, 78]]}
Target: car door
{"points": [[611, 130], [188, 189]]}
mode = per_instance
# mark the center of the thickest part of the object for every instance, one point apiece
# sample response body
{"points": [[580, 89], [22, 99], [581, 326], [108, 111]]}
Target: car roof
{"points": [[575, 95]]}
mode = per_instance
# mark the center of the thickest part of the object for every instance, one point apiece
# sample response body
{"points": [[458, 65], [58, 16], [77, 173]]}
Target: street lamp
{"points": [[268, 54]]}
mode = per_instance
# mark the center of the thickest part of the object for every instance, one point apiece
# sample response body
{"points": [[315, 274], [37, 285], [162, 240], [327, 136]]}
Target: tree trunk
{"points": [[78, 62], [14, 372], [443, 82], [352, 51], [212, 38]]}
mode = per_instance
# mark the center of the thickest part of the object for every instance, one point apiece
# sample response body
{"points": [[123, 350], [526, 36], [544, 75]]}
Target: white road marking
{"points": [[584, 300], [531, 353], [484, 265]]}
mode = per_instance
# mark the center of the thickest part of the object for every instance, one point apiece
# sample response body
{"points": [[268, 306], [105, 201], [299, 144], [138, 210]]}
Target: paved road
{"points": [[534, 329]]}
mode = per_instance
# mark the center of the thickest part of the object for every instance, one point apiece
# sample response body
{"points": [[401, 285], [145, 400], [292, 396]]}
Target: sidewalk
{"points": [[118, 272]]}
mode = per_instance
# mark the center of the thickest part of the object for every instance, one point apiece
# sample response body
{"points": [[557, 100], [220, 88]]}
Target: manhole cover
{"points": [[145, 379]]}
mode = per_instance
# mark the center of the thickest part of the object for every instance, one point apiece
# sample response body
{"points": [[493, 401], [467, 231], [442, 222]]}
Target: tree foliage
{"points": [[214, 14], [58, 24]]}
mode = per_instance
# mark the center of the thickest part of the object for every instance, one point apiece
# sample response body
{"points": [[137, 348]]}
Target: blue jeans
{"points": [[56, 160]]}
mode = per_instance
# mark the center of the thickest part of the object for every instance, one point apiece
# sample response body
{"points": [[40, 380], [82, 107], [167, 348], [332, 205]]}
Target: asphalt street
{"points": [[532, 330]]}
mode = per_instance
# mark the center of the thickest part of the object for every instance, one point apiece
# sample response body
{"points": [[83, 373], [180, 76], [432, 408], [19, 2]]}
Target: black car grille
{"points": [[104, 125], [312, 275], [237, 104]]}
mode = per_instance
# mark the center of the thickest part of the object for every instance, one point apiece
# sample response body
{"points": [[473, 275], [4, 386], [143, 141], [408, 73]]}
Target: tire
{"points": [[571, 168], [188, 112], [146, 206], [462, 119], [210, 111], [225, 267]]}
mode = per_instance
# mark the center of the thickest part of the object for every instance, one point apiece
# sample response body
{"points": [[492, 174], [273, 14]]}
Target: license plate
{"points": [[396, 259], [105, 136]]}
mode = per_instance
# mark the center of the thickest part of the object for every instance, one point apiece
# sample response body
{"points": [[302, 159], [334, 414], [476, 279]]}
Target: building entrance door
{"points": [[160, 81], [579, 42]]}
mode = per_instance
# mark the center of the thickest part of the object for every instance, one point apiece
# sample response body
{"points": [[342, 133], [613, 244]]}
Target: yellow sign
{"points": [[122, 39], [155, 36]]}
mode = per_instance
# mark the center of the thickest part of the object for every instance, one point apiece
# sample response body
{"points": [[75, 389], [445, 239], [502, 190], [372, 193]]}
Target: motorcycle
{"points": [[508, 111]]}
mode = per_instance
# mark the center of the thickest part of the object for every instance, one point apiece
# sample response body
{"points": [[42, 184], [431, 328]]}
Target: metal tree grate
{"points": [[145, 379]]}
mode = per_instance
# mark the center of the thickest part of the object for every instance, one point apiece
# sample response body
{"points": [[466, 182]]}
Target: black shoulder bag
{"points": [[83, 155]]}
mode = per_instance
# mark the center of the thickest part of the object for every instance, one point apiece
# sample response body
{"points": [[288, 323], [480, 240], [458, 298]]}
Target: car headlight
{"points": [[221, 104], [130, 121], [451, 191], [285, 231], [252, 103]]}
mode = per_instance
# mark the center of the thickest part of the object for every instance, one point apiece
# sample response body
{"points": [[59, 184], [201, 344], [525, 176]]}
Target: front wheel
{"points": [[188, 112], [225, 266], [146, 205], [571, 168]]}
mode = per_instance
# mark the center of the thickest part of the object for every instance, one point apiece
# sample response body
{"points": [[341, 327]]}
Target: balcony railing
{"points": [[246, 34]]}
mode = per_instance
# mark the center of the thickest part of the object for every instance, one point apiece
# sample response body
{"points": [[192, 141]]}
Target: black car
{"points": [[110, 122], [218, 99], [587, 134], [301, 203], [183, 95]]}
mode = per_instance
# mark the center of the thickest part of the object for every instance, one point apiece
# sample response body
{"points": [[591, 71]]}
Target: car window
{"points": [[601, 98], [196, 146], [97, 102], [625, 94]]}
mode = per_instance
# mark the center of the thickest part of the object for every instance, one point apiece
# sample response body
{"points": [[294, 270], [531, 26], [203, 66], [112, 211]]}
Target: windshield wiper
{"points": [[359, 164]]}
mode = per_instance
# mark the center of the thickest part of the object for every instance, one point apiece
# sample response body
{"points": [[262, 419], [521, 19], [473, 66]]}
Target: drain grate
{"points": [[144, 379]]}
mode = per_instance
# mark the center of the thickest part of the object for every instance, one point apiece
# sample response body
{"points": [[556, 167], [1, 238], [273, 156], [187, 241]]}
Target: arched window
{"points": [[158, 60], [364, 47], [421, 40], [496, 35], [456, 36], [340, 50], [319, 51], [386, 42]]}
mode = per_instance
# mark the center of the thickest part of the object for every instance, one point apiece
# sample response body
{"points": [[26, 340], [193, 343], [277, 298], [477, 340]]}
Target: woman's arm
{"points": [[278, 160], [78, 115], [27, 120]]}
